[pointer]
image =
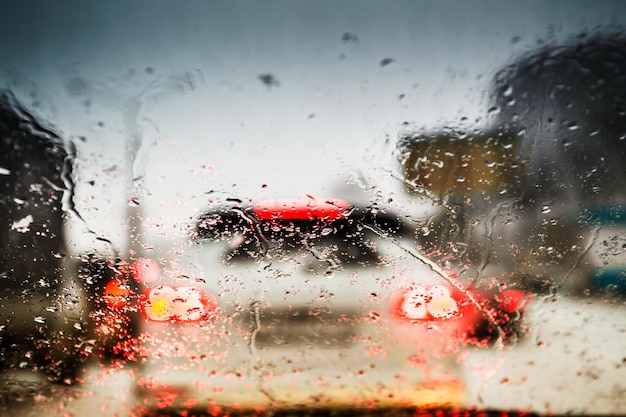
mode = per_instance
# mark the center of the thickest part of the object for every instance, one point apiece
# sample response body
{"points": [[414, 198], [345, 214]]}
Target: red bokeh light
{"points": [[145, 270], [116, 293]]}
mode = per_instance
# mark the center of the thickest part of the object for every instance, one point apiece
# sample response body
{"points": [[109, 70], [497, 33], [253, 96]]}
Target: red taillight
{"points": [[166, 303], [511, 301], [445, 315], [160, 302], [116, 293], [301, 209], [433, 303], [439, 317]]}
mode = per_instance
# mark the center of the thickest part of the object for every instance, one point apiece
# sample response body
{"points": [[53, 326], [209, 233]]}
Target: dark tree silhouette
{"points": [[36, 301], [568, 102]]}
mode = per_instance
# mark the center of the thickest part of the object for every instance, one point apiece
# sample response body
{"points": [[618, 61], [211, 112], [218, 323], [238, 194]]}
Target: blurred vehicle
{"points": [[41, 304], [111, 329], [554, 146], [300, 304], [605, 257]]}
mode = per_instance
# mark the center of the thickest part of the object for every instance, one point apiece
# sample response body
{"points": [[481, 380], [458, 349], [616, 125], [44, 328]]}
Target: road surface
{"points": [[572, 362]]}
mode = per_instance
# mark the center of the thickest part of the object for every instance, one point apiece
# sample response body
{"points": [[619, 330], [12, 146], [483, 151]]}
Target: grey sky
{"points": [[182, 80]]}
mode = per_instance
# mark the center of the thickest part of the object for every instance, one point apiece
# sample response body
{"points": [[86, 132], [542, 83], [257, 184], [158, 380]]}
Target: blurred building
{"points": [[515, 195]]}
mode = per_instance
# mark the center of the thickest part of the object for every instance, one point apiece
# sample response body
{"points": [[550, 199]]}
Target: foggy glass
{"points": [[312, 207]]}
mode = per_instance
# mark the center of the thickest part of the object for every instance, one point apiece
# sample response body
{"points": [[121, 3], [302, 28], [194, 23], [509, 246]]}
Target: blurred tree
{"points": [[37, 323], [33, 163], [568, 105]]}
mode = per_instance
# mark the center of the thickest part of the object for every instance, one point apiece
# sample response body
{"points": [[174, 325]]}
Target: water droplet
{"points": [[40, 319], [23, 225], [386, 61], [133, 202], [326, 231], [4, 171], [490, 164], [494, 110], [270, 80], [546, 209], [349, 37]]}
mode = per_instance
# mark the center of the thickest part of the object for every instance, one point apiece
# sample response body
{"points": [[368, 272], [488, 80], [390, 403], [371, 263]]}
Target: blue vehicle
{"points": [[605, 258]]}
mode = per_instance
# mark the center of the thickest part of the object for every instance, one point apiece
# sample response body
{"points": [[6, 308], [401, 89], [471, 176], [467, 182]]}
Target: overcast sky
{"points": [[179, 82]]}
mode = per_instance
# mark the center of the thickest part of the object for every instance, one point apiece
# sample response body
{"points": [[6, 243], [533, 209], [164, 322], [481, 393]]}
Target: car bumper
{"points": [[359, 376]]}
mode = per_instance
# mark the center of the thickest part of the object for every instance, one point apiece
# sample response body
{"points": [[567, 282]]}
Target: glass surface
{"points": [[298, 207]]}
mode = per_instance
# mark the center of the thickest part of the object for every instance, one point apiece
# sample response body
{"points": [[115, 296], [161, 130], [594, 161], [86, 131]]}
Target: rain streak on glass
{"points": [[308, 209]]}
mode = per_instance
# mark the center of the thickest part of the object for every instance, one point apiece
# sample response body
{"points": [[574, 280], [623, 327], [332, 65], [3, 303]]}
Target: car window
{"points": [[336, 243], [311, 208]]}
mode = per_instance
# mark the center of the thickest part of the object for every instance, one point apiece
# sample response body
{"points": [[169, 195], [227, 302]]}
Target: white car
{"points": [[303, 303]]}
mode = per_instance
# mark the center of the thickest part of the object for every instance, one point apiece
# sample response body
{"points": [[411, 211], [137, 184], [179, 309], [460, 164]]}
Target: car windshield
{"points": [[312, 207]]}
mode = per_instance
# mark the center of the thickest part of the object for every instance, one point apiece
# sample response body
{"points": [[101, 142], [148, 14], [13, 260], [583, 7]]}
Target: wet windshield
{"points": [[298, 208]]}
